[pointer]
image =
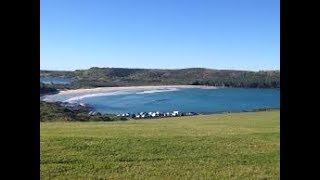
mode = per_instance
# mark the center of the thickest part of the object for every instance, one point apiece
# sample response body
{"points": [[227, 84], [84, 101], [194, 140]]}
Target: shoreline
{"points": [[135, 88], [132, 88]]}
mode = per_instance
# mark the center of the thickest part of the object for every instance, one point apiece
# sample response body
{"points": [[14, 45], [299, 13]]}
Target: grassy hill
{"points": [[99, 77], [220, 146]]}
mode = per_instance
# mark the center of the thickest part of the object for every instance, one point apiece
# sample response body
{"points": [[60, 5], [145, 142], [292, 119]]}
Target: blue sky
{"points": [[217, 34]]}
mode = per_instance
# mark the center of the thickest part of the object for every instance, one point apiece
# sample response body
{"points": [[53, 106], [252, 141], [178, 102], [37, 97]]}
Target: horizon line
{"points": [[160, 69]]}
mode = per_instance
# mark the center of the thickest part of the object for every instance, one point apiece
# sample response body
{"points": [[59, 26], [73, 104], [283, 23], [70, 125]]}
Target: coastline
{"points": [[108, 89], [84, 91]]}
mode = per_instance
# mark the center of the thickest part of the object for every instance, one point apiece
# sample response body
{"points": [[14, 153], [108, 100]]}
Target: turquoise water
{"points": [[51, 80], [186, 100]]}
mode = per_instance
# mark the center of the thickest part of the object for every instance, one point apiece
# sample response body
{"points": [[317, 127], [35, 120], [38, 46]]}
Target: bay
{"points": [[185, 100]]}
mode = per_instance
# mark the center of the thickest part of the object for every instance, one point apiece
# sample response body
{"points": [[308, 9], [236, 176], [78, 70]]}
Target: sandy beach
{"points": [[106, 89]]}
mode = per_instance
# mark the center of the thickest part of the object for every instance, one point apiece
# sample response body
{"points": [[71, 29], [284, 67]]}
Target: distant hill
{"points": [[101, 77]]}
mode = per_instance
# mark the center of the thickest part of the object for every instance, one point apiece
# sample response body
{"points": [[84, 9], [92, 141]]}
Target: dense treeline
{"points": [[47, 89], [100, 77], [56, 112]]}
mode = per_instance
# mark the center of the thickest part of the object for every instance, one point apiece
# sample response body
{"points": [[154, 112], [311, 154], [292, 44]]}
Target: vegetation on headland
{"points": [[218, 146], [106, 77], [55, 111], [47, 89]]}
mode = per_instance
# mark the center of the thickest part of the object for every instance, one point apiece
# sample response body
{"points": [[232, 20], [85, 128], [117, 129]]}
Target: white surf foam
{"points": [[77, 98], [209, 87], [157, 91]]}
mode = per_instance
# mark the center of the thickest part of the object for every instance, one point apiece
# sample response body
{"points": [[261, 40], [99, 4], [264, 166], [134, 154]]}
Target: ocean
{"points": [[200, 100], [53, 80]]}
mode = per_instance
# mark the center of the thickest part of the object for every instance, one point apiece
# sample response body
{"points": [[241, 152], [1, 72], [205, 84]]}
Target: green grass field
{"points": [[220, 146]]}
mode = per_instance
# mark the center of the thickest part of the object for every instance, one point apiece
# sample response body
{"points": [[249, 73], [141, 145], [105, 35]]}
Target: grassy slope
{"points": [[221, 146]]}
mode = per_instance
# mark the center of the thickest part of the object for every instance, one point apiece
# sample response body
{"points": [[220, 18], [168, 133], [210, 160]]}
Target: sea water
{"points": [[52, 80], [199, 100]]}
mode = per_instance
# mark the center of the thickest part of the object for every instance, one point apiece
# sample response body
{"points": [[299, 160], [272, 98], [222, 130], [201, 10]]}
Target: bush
{"points": [[123, 119], [56, 112]]}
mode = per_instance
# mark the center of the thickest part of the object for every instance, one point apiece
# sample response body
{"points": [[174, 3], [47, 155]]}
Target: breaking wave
{"points": [[157, 91], [80, 97], [77, 98]]}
